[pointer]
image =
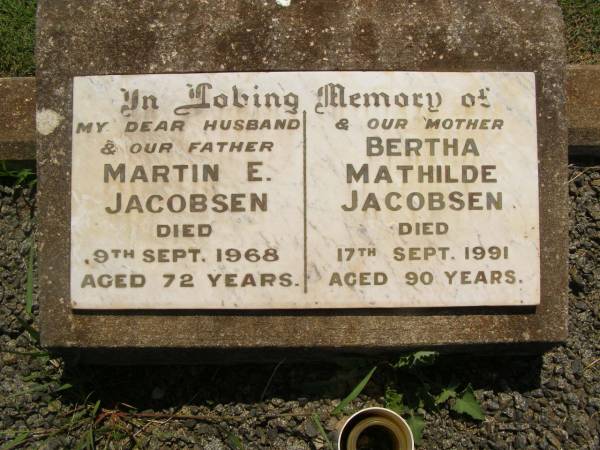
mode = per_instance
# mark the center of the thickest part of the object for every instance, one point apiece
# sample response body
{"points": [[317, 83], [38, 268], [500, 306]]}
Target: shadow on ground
{"points": [[164, 387]]}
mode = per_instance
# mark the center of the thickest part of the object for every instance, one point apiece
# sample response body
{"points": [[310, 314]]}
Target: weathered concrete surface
{"points": [[107, 37], [17, 118], [583, 107]]}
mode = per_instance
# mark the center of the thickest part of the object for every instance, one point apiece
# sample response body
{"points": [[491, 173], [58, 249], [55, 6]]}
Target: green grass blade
{"points": [[87, 441], [355, 392], [95, 408], [64, 387], [29, 285], [16, 441], [321, 430]]}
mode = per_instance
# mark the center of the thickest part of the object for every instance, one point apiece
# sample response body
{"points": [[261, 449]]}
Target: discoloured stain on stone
{"points": [[47, 120]]}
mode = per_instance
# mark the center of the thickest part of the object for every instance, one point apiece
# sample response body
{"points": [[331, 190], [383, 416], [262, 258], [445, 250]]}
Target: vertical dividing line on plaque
{"points": [[304, 197]]}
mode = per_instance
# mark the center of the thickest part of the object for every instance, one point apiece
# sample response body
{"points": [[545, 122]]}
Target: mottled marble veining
{"points": [[303, 190]]}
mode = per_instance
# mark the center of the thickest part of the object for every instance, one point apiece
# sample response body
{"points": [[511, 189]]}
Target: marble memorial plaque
{"points": [[278, 190]]}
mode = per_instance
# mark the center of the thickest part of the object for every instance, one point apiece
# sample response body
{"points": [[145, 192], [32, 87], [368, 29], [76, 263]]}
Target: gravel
{"points": [[549, 401]]}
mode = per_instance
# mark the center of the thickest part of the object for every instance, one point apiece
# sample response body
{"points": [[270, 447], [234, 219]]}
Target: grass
{"points": [[582, 20], [17, 173], [17, 37], [17, 34]]}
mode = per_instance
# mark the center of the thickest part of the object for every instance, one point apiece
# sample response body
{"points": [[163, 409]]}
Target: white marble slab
{"points": [[293, 221]]}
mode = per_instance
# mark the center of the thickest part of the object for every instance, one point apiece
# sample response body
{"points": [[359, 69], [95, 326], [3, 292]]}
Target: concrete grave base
{"points": [[113, 37], [17, 118]]}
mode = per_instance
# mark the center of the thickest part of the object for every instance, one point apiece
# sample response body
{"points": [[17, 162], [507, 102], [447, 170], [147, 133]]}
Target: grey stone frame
{"points": [[86, 37]]}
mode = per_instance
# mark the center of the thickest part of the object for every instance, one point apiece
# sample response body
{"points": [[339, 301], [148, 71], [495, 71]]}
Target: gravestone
{"points": [[318, 177]]}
